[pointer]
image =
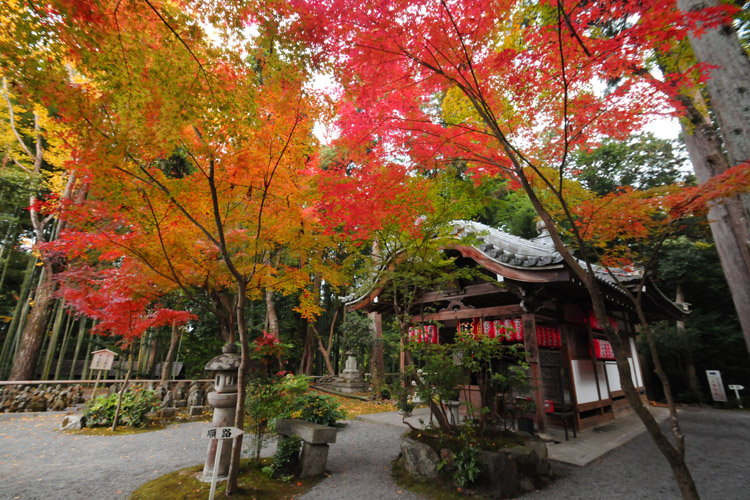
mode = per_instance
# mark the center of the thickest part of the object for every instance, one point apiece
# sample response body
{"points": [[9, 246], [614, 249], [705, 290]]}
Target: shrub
{"points": [[269, 399], [467, 467], [286, 459], [318, 409], [135, 406]]}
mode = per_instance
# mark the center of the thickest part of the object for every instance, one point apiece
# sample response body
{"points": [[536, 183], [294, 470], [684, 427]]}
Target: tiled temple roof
{"points": [[537, 254]]}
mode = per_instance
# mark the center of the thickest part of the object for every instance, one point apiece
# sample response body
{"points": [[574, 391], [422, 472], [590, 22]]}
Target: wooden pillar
{"points": [[532, 357]]}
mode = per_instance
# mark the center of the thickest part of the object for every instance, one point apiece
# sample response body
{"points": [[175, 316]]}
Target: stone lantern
{"points": [[224, 401]]}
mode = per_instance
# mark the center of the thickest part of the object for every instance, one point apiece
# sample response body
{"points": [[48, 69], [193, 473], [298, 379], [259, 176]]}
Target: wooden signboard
{"points": [[102, 359]]}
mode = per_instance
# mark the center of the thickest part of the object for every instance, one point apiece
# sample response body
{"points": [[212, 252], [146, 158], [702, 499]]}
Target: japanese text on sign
{"points": [[221, 433]]}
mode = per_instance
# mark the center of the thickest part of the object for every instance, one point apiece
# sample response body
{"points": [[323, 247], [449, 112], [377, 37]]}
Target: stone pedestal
{"points": [[313, 459], [224, 407], [224, 401]]}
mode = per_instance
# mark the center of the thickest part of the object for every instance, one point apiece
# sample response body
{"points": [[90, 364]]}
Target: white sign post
{"points": [[716, 385], [736, 389], [220, 433], [101, 360]]}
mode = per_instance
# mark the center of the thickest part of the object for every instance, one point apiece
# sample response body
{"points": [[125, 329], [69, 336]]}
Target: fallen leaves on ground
{"points": [[355, 407]]}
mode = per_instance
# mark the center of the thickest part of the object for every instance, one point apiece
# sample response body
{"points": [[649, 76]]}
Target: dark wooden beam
{"points": [[483, 312], [469, 291]]}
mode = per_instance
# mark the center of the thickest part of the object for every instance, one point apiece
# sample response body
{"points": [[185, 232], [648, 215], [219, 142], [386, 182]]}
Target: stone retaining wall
{"points": [[505, 473]]}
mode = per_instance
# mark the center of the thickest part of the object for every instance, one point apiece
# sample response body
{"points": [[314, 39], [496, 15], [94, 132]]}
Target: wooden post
{"points": [[532, 356], [96, 384]]}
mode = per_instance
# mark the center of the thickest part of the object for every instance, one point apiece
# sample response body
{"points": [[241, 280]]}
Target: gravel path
{"points": [[718, 453], [360, 465], [38, 462]]}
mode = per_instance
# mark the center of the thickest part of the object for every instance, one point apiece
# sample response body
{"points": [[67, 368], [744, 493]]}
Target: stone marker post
{"points": [[224, 401]]}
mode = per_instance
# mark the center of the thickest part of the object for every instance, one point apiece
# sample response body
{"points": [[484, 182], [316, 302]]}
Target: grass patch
{"points": [[434, 489], [253, 484]]}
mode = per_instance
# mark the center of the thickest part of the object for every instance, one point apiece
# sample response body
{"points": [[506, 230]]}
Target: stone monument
{"points": [[195, 399], [180, 398], [224, 400], [350, 380]]}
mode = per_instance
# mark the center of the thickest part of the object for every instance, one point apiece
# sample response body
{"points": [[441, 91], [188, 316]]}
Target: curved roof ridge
{"points": [[508, 249]]}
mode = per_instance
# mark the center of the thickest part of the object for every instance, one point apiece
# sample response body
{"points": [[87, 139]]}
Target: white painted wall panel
{"points": [[614, 376], [584, 380], [637, 364], [602, 380]]}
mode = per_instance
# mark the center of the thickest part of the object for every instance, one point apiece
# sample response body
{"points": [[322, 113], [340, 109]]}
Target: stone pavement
{"points": [[588, 446]]}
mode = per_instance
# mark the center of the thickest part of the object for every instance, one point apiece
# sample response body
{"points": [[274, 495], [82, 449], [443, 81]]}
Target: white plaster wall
{"points": [[636, 365], [613, 375], [602, 380], [584, 380]]}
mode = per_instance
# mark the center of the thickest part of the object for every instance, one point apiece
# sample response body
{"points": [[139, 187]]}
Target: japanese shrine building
{"points": [[530, 288]]}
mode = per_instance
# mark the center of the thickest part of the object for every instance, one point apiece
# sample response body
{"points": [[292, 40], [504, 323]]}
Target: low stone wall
{"points": [[505, 473], [38, 396]]}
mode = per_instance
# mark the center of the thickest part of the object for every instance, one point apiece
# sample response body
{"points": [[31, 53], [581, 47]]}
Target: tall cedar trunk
{"points": [[34, 331], [308, 353], [166, 370], [729, 98]]}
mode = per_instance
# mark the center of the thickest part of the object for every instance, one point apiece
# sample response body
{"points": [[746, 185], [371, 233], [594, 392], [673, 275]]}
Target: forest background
{"points": [[133, 135]]}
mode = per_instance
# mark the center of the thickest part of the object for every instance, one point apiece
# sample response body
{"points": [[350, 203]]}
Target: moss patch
{"points": [[440, 489], [492, 442], [120, 431], [252, 483]]}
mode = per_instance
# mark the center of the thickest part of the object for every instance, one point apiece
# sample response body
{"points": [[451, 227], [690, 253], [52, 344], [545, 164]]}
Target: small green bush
{"points": [[318, 409], [467, 467], [286, 459], [135, 406]]}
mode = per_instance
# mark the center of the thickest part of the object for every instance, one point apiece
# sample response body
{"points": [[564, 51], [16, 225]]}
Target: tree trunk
{"points": [[272, 319], [223, 307], [166, 370], [79, 343], [52, 343], [242, 377], [308, 352], [377, 363], [122, 390], [729, 98], [152, 354], [6, 356], [326, 351], [33, 333], [64, 346], [692, 375]]}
